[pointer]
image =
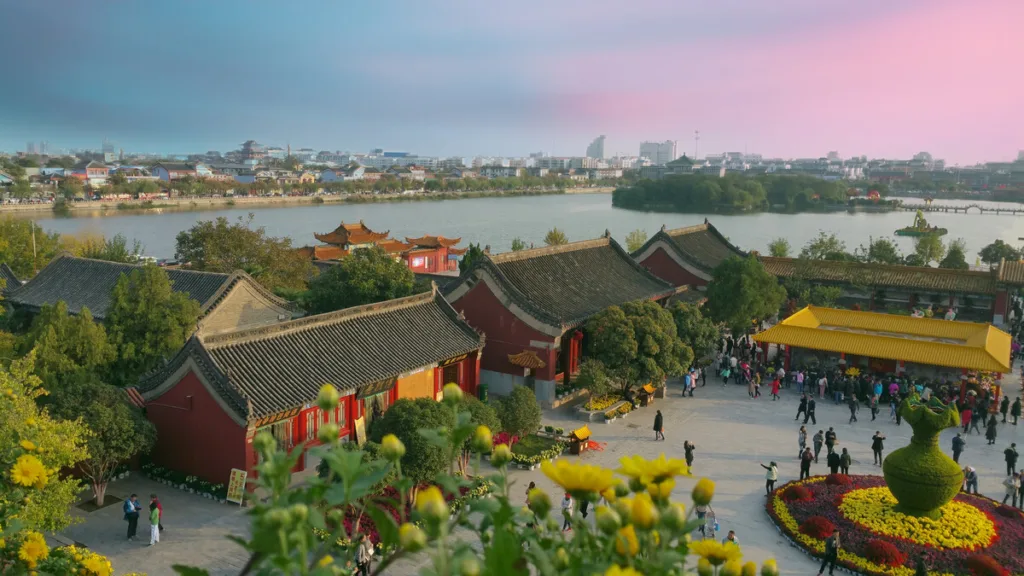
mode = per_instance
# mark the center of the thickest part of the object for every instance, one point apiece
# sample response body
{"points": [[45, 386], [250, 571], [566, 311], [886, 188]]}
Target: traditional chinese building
{"points": [[215, 395], [686, 256], [432, 254], [9, 278], [226, 301], [530, 304], [426, 254], [351, 236]]}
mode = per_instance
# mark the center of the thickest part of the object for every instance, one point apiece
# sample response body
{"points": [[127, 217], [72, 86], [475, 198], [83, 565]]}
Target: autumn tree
{"points": [[555, 237], [635, 240], [779, 248], [740, 291], [222, 246], [696, 331], [365, 276]]}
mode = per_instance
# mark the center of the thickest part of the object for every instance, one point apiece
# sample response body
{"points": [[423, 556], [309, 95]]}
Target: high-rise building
{"points": [[596, 148], [31, 148], [659, 153]]}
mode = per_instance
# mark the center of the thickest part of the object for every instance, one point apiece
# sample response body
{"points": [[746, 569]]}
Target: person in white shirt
{"points": [[567, 512]]}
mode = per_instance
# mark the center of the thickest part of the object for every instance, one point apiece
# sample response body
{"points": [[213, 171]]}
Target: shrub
{"points": [[817, 527], [985, 565], [423, 461], [625, 408], [797, 493], [519, 412], [884, 553], [549, 429], [559, 431], [838, 480]]}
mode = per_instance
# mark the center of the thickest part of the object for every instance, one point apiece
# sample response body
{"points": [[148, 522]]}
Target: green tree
{"points": [[114, 249], [20, 252], [519, 412], [826, 247], [696, 331], [929, 248], [997, 251], [146, 322], [594, 378], [66, 345], [21, 189], [555, 237], [779, 248], [826, 296], [881, 251], [480, 414], [635, 240], [423, 460], [637, 343], [518, 244], [222, 246], [291, 163], [65, 162], [365, 276], [473, 254], [956, 255], [71, 188], [740, 291]]}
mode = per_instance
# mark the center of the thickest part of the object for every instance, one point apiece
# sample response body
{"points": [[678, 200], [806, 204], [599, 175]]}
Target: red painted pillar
{"points": [[788, 358]]}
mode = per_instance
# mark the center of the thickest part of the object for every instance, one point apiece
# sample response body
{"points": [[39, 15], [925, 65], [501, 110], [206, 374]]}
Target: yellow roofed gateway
{"points": [[891, 337]]}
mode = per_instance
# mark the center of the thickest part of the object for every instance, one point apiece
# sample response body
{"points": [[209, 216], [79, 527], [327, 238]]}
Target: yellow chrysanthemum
{"points": [[643, 513], [620, 571], [626, 543], [703, 492], [430, 504], [578, 479], [657, 470], [27, 445], [715, 552], [33, 549], [326, 561], [97, 565], [27, 470], [661, 491]]}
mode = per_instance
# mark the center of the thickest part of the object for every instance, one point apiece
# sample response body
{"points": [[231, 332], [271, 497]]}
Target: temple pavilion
{"points": [[686, 256], [423, 255]]}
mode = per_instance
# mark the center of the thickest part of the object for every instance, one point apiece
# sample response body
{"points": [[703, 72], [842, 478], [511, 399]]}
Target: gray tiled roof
{"points": [[264, 371], [565, 285], [701, 245], [10, 279], [81, 282]]}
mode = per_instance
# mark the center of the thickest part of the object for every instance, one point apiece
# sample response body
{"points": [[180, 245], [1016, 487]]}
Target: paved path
{"points": [[732, 433]]}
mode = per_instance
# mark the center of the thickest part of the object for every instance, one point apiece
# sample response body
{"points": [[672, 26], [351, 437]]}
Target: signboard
{"points": [[375, 388], [360, 430], [451, 361], [236, 486]]}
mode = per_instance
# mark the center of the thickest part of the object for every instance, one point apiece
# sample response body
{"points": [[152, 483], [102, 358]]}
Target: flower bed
{"points": [[877, 540], [533, 449], [181, 481], [602, 402]]}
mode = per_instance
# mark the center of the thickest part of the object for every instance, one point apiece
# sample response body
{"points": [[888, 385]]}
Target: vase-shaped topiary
{"points": [[919, 475]]}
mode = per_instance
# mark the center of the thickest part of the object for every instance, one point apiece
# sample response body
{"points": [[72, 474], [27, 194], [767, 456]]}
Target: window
{"points": [[311, 425], [341, 415]]}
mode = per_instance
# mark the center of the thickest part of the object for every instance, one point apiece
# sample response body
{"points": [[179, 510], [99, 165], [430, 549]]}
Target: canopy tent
{"points": [[875, 335]]}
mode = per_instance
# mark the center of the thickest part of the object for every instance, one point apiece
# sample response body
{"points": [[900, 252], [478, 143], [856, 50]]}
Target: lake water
{"points": [[496, 221]]}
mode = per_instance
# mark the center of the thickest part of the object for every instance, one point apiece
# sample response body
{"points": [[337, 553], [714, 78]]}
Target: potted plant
{"points": [[559, 432]]}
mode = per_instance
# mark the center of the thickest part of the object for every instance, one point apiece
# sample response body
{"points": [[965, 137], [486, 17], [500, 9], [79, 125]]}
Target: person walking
{"points": [[688, 448], [154, 500], [1004, 407], [854, 406], [810, 412], [364, 555], [977, 418], [805, 464], [702, 516], [833, 462], [659, 426], [822, 384], [958, 447], [970, 480], [799, 381], [770, 477], [801, 440], [1015, 409], [965, 418], [802, 408], [990, 430], [567, 513], [819, 439], [131, 514], [688, 383], [830, 440], [1012, 485], [775, 389], [831, 553], [1010, 454], [877, 445], [154, 524], [874, 407], [844, 462]]}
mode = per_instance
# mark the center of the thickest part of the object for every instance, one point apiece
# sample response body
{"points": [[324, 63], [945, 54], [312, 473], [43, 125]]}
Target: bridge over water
{"points": [[1014, 209]]}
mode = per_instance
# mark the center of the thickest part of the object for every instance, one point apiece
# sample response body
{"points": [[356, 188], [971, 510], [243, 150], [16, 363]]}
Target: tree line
{"points": [[730, 193]]}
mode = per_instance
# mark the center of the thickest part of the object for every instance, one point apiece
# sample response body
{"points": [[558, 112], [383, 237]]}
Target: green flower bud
{"points": [[482, 442], [431, 505], [299, 512], [278, 517], [328, 433], [501, 455], [469, 566], [749, 569], [328, 397], [411, 537], [608, 520], [731, 568], [770, 568], [561, 559], [674, 517], [452, 394], [704, 567], [621, 490], [539, 502], [391, 448], [636, 485], [703, 492], [264, 444]]}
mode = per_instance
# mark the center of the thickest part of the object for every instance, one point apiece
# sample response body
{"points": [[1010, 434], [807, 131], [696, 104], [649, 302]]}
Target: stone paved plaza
{"points": [[732, 433]]}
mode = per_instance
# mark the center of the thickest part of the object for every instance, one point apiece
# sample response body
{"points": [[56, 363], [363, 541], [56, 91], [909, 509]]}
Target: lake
{"points": [[496, 221]]}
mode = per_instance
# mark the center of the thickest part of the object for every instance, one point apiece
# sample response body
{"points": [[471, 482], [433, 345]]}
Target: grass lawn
{"points": [[532, 445]]}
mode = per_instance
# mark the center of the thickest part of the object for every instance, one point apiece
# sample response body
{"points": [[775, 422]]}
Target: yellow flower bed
{"points": [[602, 402], [962, 526]]}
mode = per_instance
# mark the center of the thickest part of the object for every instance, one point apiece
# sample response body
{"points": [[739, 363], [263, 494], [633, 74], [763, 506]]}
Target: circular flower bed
{"points": [[973, 534]]}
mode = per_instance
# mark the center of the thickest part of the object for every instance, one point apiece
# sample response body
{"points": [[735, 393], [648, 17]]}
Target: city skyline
{"points": [[791, 79]]}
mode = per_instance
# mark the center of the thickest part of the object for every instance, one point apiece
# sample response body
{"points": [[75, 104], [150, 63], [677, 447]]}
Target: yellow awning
{"points": [[891, 337]]}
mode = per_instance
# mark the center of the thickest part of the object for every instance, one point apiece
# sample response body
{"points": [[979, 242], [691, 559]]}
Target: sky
{"points": [[789, 78]]}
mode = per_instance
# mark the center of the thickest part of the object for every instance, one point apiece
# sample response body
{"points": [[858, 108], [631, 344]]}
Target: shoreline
{"points": [[112, 208]]}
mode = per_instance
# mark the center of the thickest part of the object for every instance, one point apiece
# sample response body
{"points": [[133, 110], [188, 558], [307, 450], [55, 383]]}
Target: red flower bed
{"points": [[882, 552], [838, 480], [1002, 557], [817, 527]]}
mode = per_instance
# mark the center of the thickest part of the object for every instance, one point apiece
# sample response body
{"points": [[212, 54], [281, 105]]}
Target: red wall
{"points": [[663, 266], [196, 436], [505, 333]]}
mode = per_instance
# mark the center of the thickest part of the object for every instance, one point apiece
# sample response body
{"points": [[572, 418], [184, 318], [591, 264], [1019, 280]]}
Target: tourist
{"points": [[775, 389], [1015, 409], [1020, 491], [688, 448], [703, 373], [688, 383], [958, 447], [770, 477], [659, 427], [873, 403], [970, 480], [990, 430], [805, 464], [364, 555], [1010, 454], [802, 409], [528, 488], [965, 418], [702, 513], [831, 553], [154, 524], [844, 462], [567, 512], [801, 439], [131, 514], [810, 412], [822, 383], [978, 417], [799, 382], [833, 462], [731, 538], [854, 406], [154, 500], [830, 440], [1012, 484], [877, 446], [710, 524], [819, 439], [1004, 407]]}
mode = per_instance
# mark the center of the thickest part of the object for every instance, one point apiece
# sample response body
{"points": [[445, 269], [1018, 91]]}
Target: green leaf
{"points": [[435, 437], [385, 524]]}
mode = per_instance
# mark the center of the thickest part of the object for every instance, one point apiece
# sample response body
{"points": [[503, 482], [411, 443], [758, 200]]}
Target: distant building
{"points": [[583, 163], [168, 171], [596, 148], [252, 150], [659, 153], [91, 172], [501, 172]]}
